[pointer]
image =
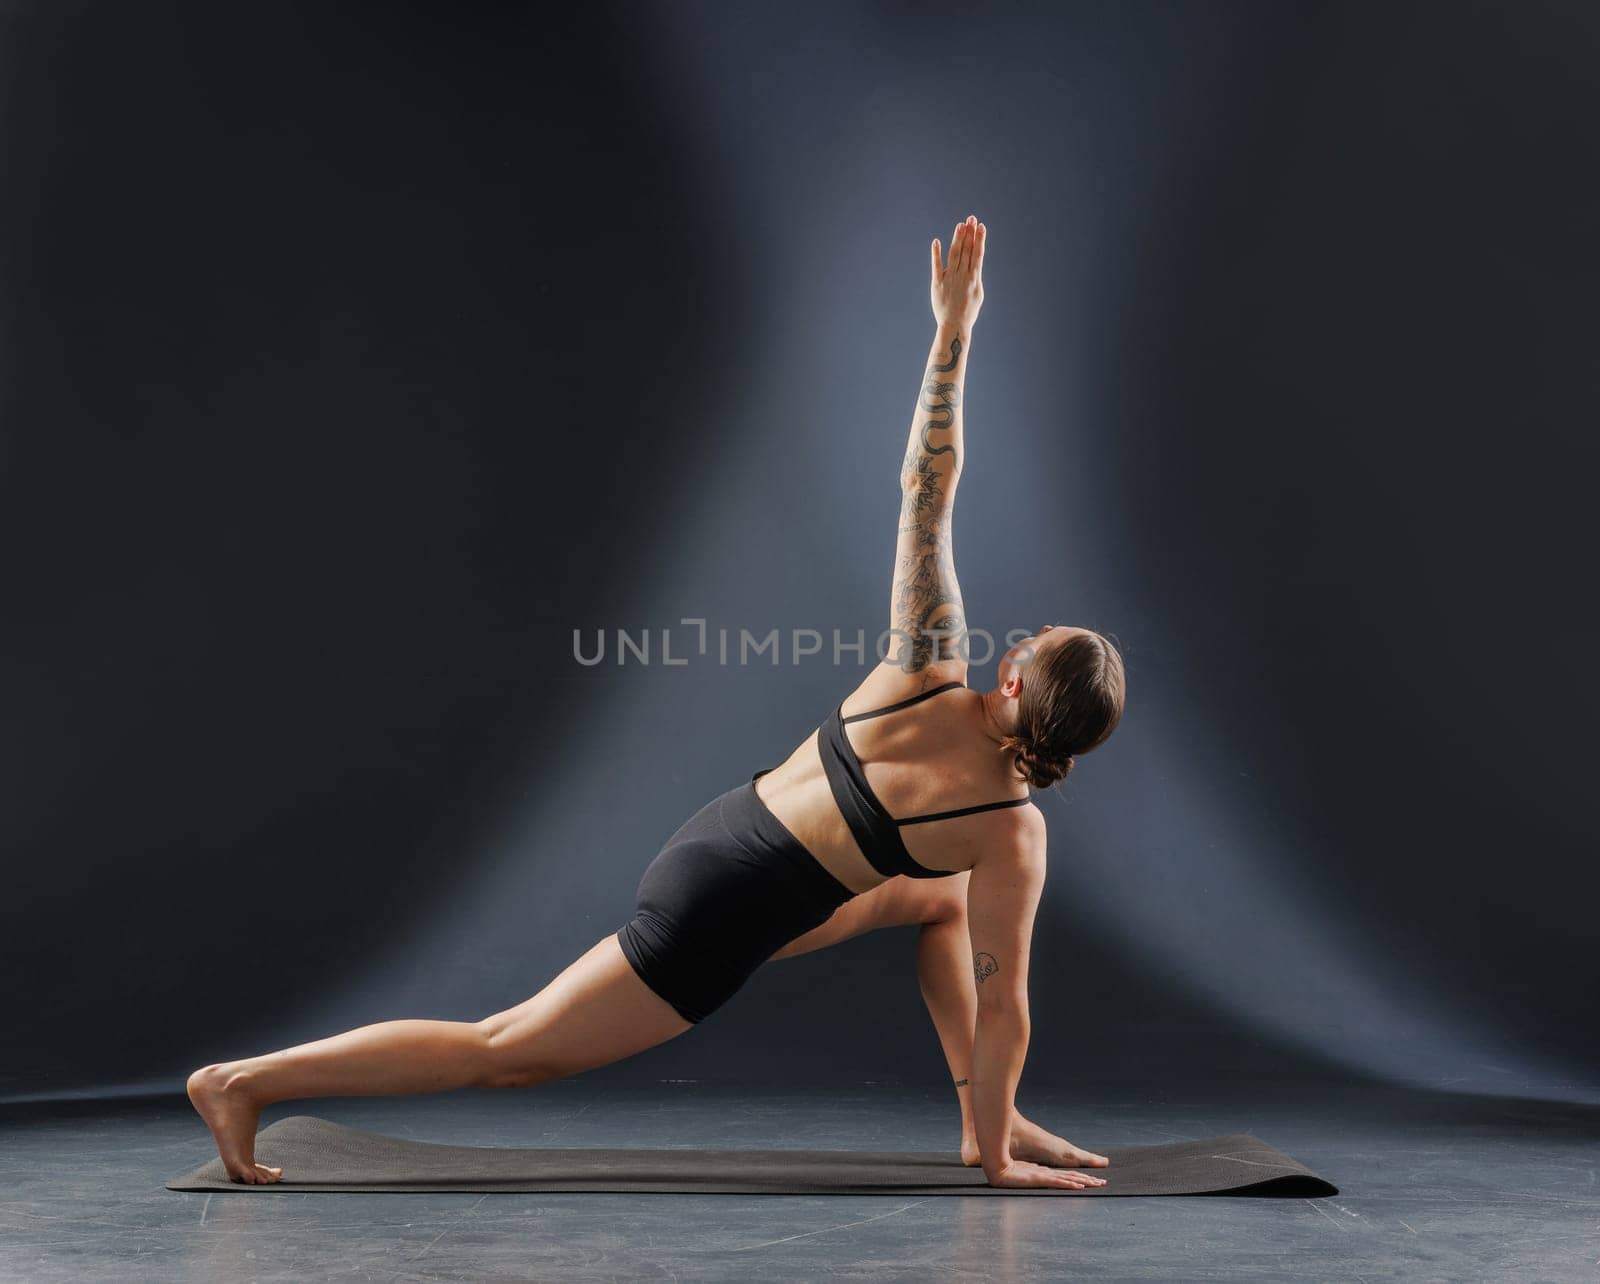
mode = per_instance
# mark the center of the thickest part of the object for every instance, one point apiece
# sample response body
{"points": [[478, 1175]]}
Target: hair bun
{"points": [[1039, 772]]}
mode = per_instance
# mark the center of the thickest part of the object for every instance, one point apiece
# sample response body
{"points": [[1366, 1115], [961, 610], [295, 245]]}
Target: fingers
{"points": [[1024, 1175], [966, 245], [1076, 1180], [966, 249], [1069, 1179]]}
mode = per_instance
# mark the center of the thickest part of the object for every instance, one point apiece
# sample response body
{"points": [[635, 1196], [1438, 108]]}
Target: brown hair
{"points": [[1071, 702]]}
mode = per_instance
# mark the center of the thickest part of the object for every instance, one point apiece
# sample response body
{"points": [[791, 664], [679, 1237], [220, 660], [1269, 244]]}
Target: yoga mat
{"points": [[317, 1155]]}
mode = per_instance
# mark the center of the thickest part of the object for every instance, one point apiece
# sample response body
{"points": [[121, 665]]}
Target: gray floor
{"points": [[1434, 1187]]}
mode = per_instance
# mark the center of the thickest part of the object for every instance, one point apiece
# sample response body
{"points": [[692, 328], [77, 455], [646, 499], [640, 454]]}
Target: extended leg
{"points": [[595, 1012]]}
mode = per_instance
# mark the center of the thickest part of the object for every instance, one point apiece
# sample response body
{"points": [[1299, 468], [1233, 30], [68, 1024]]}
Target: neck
{"points": [[993, 712]]}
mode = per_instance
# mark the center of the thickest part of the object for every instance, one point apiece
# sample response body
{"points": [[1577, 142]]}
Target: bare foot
{"points": [[1032, 1144], [221, 1099], [1037, 1146]]}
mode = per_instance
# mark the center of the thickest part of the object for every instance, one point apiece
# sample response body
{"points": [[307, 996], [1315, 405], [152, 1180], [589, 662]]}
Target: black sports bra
{"points": [[875, 830]]}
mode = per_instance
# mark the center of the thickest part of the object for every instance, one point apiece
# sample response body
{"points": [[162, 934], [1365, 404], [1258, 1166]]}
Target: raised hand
{"points": [[957, 288]]}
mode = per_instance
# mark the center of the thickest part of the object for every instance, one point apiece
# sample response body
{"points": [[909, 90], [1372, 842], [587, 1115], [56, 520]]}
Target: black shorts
{"points": [[731, 888]]}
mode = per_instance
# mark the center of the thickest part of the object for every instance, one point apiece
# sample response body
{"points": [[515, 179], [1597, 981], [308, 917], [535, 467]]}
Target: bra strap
{"points": [[965, 811], [902, 704]]}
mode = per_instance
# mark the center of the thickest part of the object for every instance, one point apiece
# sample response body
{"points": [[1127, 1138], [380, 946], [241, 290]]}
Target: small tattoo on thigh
{"points": [[984, 966]]}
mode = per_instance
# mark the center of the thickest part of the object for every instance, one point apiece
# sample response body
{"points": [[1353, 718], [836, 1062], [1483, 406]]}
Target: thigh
{"points": [[900, 902], [595, 1012]]}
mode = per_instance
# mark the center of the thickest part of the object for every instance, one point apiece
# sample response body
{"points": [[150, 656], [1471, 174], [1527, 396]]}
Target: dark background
{"points": [[355, 356]]}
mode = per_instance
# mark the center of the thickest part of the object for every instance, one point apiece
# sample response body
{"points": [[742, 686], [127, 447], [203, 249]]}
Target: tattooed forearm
{"points": [[941, 399], [983, 966], [927, 613], [941, 402]]}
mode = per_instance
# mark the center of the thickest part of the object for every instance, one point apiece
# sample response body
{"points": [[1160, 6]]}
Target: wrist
{"points": [[961, 326]]}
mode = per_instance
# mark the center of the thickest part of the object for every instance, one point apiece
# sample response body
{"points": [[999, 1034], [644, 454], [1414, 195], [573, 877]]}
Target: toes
{"points": [[268, 1175]]}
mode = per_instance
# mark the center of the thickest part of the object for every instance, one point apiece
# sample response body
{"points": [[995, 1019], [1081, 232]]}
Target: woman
{"points": [[910, 804]]}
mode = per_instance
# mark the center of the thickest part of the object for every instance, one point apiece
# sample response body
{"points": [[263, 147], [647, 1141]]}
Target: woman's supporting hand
{"points": [[957, 289], [1019, 1173]]}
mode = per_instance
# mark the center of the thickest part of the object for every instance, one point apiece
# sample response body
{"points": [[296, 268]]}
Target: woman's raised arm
{"points": [[926, 614]]}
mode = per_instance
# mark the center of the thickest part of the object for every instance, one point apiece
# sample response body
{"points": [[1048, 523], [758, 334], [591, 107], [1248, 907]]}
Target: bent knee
{"points": [[507, 1061], [946, 901]]}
